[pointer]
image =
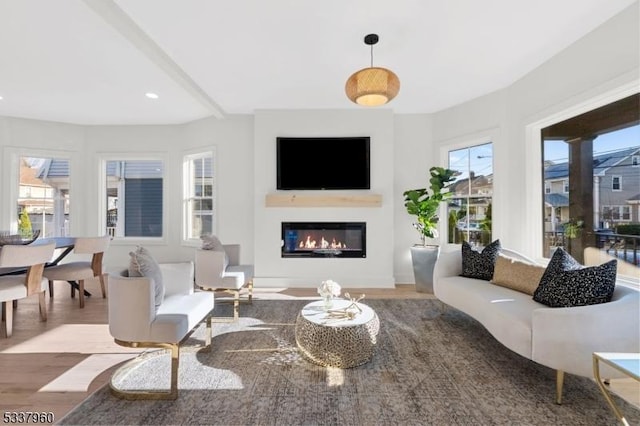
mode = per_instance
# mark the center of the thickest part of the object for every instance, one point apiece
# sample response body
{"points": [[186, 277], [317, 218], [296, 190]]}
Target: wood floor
{"points": [[52, 366]]}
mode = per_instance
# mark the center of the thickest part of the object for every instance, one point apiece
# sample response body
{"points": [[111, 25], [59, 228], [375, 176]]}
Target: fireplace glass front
{"points": [[324, 239]]}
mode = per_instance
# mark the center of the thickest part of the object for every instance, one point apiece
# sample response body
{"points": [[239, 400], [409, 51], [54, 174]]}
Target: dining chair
{"points": [[79, 271], [14, 287]]}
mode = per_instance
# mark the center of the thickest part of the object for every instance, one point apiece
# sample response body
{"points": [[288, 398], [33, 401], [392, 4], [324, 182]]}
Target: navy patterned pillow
{"points": [[566, 283], [479, 265]]}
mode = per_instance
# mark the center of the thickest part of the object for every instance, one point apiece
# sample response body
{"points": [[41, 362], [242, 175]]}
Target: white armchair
{"points": [[135, 322], [214, 274]]}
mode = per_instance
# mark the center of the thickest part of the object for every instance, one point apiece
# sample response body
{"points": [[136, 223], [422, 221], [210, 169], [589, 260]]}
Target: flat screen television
{"points": [[328, 163]]}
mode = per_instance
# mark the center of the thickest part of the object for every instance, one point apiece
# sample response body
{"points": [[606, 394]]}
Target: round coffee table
{"points": [[342, 343]]}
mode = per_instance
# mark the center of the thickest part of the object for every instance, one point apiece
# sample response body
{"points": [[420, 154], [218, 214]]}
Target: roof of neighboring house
{"points": [[134, 169], [556, 200], [634, 198], [601, 163]]}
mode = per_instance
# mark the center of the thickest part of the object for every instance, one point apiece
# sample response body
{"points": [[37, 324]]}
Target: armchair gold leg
{"points": [[250, 287], [559, 386], [170, 394]]}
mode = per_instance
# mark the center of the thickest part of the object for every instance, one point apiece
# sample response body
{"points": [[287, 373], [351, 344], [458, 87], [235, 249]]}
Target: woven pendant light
{"points": [[372, 86]]}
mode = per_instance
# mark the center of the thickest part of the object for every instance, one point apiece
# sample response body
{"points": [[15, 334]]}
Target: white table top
{"points": [[627, 362], [315, 313]]}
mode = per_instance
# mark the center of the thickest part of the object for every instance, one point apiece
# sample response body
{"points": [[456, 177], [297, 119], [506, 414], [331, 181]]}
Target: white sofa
{"points": [[560, 338], [134, 320]]}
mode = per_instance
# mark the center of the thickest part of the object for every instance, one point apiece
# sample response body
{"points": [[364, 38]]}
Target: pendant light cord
{"points": [[372, 56]]}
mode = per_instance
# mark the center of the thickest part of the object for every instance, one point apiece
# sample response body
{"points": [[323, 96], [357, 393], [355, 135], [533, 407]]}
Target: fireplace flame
{"points": [[309, 243]]}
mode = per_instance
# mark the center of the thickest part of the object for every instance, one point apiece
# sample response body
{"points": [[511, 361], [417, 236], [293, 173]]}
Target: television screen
{"points": [[323, 163]]}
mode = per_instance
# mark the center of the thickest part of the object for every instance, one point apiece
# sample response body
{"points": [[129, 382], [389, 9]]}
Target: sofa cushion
{"points": [[211, 242], [142, 264], [479, 265], [566, 283], [517, 275]]}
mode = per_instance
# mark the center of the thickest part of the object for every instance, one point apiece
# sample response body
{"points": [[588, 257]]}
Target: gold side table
{"points": [[342, 343], [627, 363]]}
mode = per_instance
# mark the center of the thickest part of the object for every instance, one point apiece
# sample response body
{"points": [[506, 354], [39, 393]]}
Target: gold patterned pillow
{"points": [[517, 275]]}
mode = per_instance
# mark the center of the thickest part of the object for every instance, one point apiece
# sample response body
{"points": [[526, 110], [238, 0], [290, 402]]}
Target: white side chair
{"points": [[212, 275], [79, 271], [14, 287], [136, 322]]}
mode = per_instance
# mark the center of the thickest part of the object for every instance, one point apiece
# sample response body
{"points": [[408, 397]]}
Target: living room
{"points": [[598, 67]]}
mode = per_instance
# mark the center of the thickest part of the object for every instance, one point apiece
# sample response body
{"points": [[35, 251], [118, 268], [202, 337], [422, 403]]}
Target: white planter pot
{"points": [[424, 259]]}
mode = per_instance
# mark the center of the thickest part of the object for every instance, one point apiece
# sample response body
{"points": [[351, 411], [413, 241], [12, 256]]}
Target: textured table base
{"points": [[342, 346]]}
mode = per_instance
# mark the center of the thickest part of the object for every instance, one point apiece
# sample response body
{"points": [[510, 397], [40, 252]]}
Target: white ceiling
{"points": [[92, 61]]}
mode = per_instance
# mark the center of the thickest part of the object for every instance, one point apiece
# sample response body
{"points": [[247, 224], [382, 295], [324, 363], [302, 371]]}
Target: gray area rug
{"points": [[429, 369]]}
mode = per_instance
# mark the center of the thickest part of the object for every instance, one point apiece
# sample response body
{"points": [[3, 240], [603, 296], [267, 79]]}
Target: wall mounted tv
{"points": [[329, 163]]}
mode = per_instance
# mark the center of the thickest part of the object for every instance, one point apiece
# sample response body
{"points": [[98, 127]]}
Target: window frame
{"points": [[635, 160], [492, 136], [10, 177], [613, 183], [187, 185], [102, 195]]}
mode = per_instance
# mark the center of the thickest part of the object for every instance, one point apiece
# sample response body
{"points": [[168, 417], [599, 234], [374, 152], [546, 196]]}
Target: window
{"points": [[547, 188], [635, 160], [616, 183], [134, 191], [469, 210], [594, 151], [616, 213], [43, 196], [565, 186], [199, 215]]}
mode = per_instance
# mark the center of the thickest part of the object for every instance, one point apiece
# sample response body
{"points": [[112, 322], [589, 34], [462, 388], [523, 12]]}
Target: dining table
{"points": [[64, 246]]}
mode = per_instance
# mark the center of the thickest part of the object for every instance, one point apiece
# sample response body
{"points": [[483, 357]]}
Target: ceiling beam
{"points": [[113, 15], [614, 116]]}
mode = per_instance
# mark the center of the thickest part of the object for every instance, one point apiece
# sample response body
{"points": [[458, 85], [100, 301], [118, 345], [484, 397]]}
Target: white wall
{"points": [[376, 270], [603, 64]]}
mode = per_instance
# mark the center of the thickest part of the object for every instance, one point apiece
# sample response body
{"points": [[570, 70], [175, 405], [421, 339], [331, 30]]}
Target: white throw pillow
{"points": [[142, 264]]}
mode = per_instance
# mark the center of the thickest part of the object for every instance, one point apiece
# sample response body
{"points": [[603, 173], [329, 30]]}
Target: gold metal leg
{"points": [[236, 305], [171, 394], [605, 392], [559, 385], [250, 287]]}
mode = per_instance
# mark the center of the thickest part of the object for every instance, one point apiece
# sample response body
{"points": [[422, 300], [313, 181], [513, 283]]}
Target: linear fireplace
{"points": [[324, 239]]}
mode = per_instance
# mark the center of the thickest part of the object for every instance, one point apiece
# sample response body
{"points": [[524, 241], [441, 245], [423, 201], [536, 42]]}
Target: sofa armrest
{"points": [[448, 264], [177, 277], [565, 338], [131, 307]]}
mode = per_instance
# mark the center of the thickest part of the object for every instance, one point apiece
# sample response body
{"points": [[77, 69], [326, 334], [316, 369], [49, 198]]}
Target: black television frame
{"points": [[365, 163]]}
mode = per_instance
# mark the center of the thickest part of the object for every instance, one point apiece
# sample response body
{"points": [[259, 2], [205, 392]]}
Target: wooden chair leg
{"points": [[236, 305], [102, 278], [250, 286], [43, 306], [73, 290], [50, 288], [7, 310], [81, 293], [4, 311]]}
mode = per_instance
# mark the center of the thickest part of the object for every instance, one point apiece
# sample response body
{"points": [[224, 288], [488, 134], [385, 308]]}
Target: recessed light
{"points": [[151, 95]]}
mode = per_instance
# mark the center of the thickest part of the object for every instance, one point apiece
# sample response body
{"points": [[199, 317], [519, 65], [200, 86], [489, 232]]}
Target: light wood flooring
{"points": [[53, 366]]}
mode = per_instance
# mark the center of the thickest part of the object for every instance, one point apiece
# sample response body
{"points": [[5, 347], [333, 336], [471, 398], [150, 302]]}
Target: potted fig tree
{"points": [[424, 203]]}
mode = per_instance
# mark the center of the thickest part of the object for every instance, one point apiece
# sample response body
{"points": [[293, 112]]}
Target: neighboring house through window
{"points": [[134, 193], [43, 194], [469, 210]]}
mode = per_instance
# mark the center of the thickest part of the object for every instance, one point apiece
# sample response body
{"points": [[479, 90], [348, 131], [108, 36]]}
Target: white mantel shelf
{"points": [[322, 200]]}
